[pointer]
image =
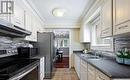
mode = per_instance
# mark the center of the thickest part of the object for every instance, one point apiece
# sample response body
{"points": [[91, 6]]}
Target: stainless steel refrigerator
{"points": [[46, 48]]}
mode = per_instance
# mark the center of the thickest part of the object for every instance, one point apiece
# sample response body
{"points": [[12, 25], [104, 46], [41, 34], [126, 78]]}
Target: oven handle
{"points": [[20, 75]]}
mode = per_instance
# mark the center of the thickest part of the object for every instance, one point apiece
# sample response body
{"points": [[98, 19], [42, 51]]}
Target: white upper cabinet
{"points": [[40, 27], [35, 29], [17, 18], [85, 33], [28, 21], [28, 24], [121, 16], [31, 25], [106, 18]]}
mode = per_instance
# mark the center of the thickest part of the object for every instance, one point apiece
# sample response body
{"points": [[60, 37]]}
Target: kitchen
{"points": [[88, 40]]}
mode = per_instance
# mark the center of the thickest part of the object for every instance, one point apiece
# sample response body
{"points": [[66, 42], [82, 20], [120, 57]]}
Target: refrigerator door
{"points": [[45, 43]]}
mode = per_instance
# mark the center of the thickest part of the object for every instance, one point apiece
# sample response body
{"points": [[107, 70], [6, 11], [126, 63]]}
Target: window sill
{"points": [[101, 45]]}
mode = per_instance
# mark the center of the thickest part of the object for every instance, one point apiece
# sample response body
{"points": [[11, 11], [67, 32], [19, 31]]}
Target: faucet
{"points": [[98, 53]]}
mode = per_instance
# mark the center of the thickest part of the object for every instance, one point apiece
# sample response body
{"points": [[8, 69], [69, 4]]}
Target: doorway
{"points": [[62, 49]]}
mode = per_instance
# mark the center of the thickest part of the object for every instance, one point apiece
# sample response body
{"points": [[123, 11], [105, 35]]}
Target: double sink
{"points": [[89, 56]]}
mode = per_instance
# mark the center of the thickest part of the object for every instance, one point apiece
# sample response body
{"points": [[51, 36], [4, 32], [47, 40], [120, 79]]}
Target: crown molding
{"points": [[67, 26], [97, 4], [32, 7], [88, 6]]}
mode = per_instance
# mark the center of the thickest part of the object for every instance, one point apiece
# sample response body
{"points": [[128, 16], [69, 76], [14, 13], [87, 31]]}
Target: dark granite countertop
{"points": [[39, 56], [108, 66]]}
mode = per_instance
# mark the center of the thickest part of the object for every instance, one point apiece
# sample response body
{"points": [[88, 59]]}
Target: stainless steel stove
{"points": [[8, 52]]}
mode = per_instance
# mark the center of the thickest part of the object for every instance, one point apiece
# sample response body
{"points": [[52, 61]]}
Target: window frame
{"points": [[95, 22]]}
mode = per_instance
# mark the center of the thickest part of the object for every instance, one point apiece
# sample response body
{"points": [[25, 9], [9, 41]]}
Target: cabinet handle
{"points": [[91, 71], [105, 32], [18, 22], [99, 78], [123, 27]]}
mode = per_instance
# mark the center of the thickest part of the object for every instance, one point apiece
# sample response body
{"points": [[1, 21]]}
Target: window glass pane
{"points": [[65, 43], [96, 34]]}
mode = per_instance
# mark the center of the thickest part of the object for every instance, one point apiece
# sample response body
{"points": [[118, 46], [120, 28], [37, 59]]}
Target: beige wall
{"points": [[74, 41], [75, 44]]}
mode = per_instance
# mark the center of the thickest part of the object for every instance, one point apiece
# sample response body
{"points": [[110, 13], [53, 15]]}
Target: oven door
{"points": [[30, 74]]}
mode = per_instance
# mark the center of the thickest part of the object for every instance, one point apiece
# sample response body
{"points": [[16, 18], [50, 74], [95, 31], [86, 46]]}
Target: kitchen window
{"points": [[62, 42], [96, 38]]}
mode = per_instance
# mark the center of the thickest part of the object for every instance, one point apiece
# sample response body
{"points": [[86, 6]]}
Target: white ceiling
{"points": [[76, 10]]}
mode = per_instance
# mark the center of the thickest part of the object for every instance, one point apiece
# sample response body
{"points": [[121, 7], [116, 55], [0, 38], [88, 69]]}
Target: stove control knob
{"points": [[9, 51]]}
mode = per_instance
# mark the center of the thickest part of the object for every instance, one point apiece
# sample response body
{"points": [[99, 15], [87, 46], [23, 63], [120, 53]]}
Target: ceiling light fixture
{"points": [[58, 12]]}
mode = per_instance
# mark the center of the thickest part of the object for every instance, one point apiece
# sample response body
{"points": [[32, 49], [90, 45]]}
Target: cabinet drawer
{"points": [[91, 69], [101, 76], [106, 32], [17, 22], [84, 64], [122, 28]]}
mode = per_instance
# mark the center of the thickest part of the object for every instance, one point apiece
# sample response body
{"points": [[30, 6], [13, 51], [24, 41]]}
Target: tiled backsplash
{"points": [[8, 43], [122, 43]]}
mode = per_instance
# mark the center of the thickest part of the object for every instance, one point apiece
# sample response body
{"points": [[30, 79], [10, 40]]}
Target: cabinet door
{"points": [[41, 28], [28, 21], [83, 71], [106, 18], [91, 73], [85, 33], [101, 76], [18, 17], [77, 65], [41, 68], [121, 16], [28, 25], [34, 29], [122, 13]]}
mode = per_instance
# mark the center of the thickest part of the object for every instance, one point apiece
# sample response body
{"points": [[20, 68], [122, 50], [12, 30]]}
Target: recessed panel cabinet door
{"points": [[122, 11], [28, 25], [91, 73], [106, 18], [101, 76], [83, 70], [17, 18], [121, 16], [77, 65]]}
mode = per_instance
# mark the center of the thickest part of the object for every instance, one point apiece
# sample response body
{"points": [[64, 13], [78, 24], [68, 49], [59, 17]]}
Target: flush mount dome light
{"points": [[58, 12]]}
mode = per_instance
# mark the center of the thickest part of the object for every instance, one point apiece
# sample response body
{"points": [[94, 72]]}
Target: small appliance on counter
{"points": [[85, 51], [27, 52]]}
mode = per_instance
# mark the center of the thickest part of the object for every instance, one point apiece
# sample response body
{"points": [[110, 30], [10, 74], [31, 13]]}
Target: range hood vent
{"points": [[10, 30]]}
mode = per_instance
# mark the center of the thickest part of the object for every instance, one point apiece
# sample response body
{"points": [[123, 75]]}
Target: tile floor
{"points": [[64, 74]]}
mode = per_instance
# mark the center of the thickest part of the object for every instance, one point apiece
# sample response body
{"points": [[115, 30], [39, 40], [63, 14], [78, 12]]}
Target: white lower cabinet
{"points": [[84, 70], [77, 65], [101, 76], [91, 72], [41, 68]]}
